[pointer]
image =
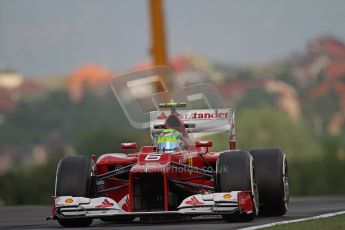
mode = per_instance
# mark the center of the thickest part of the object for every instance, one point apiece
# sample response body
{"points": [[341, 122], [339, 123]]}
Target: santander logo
{"points": [[193, 201], [162, 116], [126, 205], [202, 115], [105, 204]]}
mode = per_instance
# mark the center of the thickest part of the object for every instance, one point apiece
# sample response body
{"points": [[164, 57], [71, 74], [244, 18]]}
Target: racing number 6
{"points": [[152, 157]]}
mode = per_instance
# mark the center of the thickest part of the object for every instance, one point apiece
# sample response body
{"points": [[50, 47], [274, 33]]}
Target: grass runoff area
{"points": [[335, 222]]}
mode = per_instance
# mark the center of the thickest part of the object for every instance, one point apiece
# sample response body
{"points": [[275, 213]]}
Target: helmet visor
{"points": [[168, 147]]}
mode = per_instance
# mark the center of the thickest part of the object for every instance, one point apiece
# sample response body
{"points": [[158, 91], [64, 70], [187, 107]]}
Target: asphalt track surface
{"points": [[34, 217]]}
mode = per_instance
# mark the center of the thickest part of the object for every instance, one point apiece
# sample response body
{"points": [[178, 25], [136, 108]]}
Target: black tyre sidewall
{"points": [[233, 171], [237, 177], [73, 177], [269, 169]]}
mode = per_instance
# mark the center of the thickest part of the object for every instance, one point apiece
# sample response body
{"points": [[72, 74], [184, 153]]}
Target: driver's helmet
{"points": [[170, 140]]}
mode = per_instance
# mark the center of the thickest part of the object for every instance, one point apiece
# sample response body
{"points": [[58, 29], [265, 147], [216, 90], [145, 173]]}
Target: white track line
{"points": [[294, 221]]}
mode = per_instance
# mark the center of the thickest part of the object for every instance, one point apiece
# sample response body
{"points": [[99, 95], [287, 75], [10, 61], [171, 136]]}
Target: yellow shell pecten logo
{"points": [[69, 201], [227, 196]]}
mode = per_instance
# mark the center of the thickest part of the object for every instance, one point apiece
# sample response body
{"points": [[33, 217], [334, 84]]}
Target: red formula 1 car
{"points": [[184, 180]]}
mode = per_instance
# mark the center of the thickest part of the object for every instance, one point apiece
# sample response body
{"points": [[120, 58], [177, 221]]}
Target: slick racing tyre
{"points": [[272, 180], [235, 172], [75, 177]]}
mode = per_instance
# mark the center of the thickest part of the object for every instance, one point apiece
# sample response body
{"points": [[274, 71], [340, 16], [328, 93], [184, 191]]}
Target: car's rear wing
{"points": [[198, 121]]}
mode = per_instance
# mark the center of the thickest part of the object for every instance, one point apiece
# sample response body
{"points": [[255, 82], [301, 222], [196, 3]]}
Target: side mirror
{"points": [[130, 145], [202, 143]]}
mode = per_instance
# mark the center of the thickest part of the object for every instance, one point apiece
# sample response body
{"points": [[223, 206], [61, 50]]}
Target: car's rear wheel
{"points": [[235, 172], [272, 180], [75, 177]]}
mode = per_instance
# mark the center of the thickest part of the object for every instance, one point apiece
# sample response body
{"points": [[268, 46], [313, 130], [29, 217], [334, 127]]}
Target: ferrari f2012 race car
{"points": [[177, 176]]}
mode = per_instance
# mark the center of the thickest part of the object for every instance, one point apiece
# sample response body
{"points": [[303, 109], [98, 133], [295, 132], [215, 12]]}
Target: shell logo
{"points": [[69, 201], [227, 196]]}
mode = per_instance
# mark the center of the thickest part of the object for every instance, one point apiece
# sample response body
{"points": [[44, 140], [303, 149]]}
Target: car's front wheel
{"points": [[235, 172], [75, 177]]}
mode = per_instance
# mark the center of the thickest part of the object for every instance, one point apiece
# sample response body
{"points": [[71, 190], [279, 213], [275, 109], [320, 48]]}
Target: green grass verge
{"points": [[336, 222]]}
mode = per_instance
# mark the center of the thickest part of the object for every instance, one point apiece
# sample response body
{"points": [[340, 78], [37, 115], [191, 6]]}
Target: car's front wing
{"points": [[211, 204]]}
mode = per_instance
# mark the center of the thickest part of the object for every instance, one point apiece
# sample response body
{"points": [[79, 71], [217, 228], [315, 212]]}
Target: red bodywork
{"points": [[152, 181], [148, 163]]}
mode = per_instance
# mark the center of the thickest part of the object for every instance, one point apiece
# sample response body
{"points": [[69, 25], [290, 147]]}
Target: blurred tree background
{"points": [[57, 126]]}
